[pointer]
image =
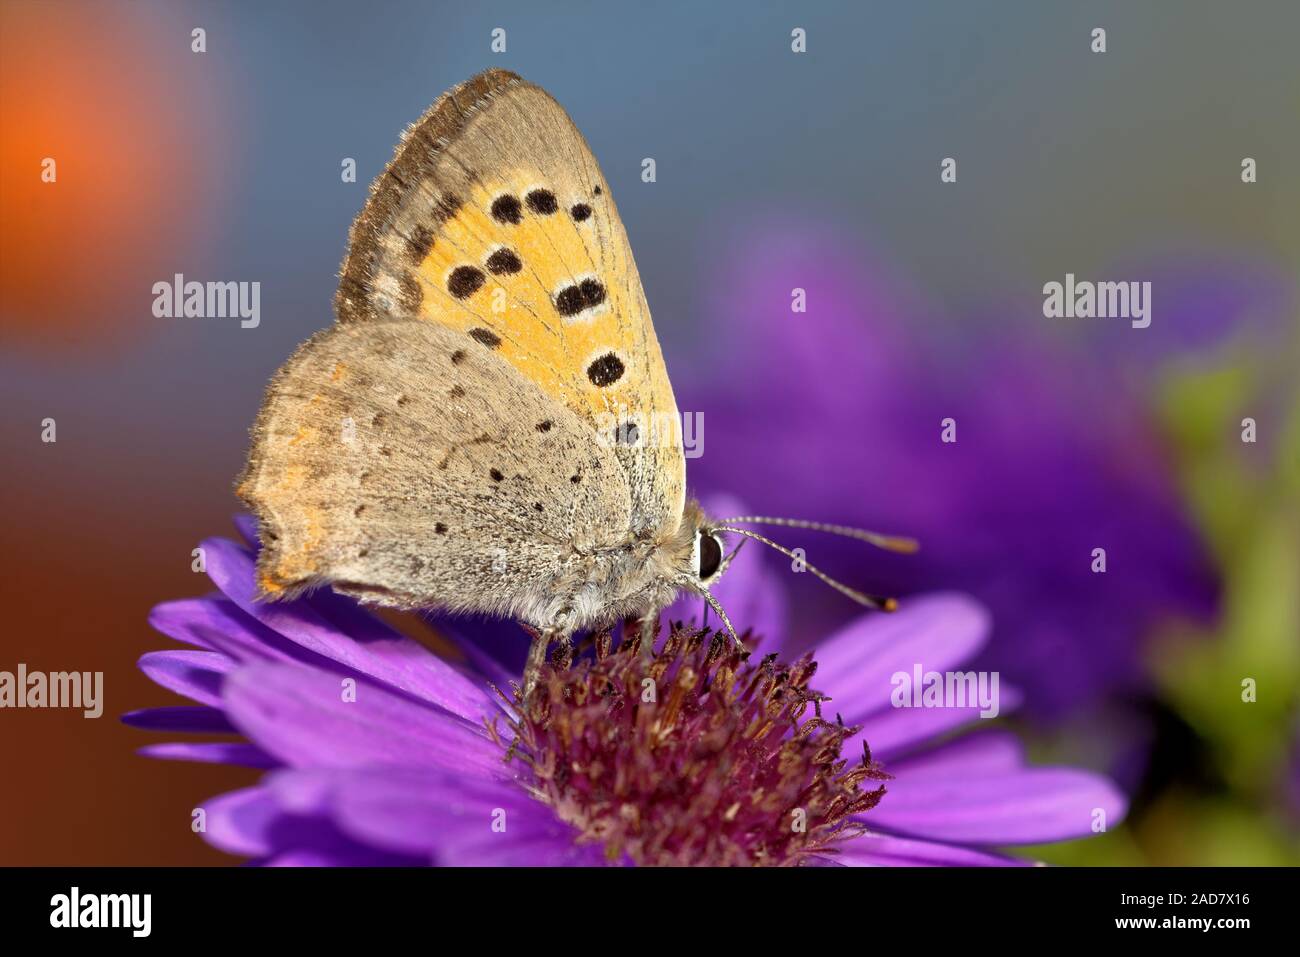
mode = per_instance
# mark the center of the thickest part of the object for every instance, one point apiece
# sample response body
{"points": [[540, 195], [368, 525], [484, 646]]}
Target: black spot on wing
{"points": [[580, 212], [572, 300], [569, 301], [464, 281], [507, 209], [542, 202], [627, 434], [593, 292], [605, 370], [485, 336], [504, 262]]}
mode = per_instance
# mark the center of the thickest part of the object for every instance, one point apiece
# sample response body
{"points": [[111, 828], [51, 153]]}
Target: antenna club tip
{"points": [[891, 604]]}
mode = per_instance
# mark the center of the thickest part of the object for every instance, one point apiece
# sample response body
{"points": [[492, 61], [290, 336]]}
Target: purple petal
{"points": [[340, 857], [952, 795], [369, 646], [856, 665], [238, 821], [299, 715], [246, 526], [350, 618], [896, 731], [238, 753], [217, 623], [418, 812], [198, 718], [250, 823], [195, 674], [542, 845], [502, 641], [466, 636], [530, 839], [310, 790], [176, 619], [883, 850], [972, 754]]}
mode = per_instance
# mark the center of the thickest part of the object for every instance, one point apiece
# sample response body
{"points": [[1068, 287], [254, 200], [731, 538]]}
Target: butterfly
{"points": [[489, 425]]}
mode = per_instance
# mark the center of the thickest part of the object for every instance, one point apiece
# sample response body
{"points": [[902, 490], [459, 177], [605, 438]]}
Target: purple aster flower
{"points": [[838, 411], [377, 751]]}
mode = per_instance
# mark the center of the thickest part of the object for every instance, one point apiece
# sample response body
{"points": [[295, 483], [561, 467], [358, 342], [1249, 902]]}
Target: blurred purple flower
{"points": [[409, 773], [1208, 299], [835, 414]]}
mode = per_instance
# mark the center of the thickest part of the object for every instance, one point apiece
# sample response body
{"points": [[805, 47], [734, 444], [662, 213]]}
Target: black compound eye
{"points": [[710, 556]]}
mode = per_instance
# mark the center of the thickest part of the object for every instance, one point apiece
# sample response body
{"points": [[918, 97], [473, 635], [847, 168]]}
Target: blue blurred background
{"points": [[775, 170]]}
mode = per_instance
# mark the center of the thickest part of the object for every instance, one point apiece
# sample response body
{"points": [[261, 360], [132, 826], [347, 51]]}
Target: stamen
{"points": [[698, 757]]}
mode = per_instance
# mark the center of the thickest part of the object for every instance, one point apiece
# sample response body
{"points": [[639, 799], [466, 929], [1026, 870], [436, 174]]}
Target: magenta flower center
{"points": [[693, 757]]}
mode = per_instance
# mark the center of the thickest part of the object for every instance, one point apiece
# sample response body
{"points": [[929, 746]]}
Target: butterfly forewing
{"points": [[493, 220]]}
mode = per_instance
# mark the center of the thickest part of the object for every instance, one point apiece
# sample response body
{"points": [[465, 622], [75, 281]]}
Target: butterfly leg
{"points": [[537, 656], [648, 626]]}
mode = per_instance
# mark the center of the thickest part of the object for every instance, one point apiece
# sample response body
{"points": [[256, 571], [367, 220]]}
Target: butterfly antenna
{"points": [[722, 615], [870, 601], [726, 561], [890, 543]]}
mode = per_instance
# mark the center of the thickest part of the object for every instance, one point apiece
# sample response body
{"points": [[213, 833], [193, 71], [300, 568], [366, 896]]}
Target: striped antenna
{"points": [[890, 543]]}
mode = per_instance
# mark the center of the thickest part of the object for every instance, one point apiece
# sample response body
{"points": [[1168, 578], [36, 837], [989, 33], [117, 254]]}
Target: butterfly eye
{"points": [[710, 556]]}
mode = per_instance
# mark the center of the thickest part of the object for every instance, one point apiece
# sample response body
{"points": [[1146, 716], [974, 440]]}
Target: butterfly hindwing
{"points": [[494, 220], [407, 462]]}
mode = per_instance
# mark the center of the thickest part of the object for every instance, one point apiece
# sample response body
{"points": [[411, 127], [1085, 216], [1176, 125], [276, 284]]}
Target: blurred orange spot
{"points": [[95, 89]]}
